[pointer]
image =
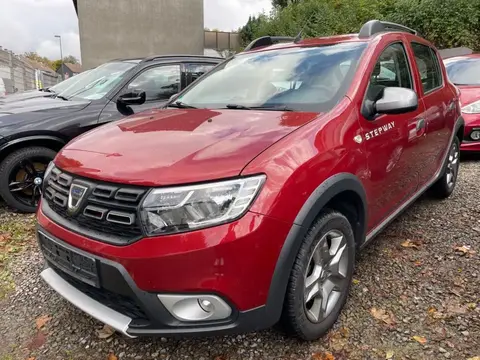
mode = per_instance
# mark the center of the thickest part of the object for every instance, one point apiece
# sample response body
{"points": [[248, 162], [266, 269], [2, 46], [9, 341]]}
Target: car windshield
{"points": [[98, 82], [464, 71], [300, 79], [65, 84]]}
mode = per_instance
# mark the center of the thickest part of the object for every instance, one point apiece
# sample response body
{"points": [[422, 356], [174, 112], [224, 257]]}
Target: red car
{"points": [[464, 72], [245, 199]]}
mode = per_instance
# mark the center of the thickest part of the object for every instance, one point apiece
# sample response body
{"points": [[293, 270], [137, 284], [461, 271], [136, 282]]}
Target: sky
{"points": [[31, 25]]}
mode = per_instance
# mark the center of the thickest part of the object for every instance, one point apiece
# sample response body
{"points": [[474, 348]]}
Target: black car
{"points": [[32, 131]]}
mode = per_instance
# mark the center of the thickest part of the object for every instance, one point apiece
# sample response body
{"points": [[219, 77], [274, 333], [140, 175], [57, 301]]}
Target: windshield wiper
{"points": [[237, 107], [181, 105], [267, 108], [61, 97]]}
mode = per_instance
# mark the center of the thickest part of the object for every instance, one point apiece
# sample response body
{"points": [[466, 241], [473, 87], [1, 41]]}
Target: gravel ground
{"points": [[414, 297]]}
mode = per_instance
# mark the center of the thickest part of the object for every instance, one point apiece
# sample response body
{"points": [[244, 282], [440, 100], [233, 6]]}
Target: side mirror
{"points": [[132, 98], [396, 100]]}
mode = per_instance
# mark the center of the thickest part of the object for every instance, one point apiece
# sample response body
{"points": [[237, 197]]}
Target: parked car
{"points": [[32, 131], [46, 92], [242, 203], [464, 72]]}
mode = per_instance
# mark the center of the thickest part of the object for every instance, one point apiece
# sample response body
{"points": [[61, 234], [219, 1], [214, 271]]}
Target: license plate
{"points": [[79, 266]]}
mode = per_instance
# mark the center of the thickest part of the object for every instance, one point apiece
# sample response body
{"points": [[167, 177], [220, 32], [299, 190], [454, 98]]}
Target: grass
{"points": [[17, 232]]}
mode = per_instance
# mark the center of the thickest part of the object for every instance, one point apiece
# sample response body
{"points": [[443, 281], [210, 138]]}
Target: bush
{"points": [[446, 23]]}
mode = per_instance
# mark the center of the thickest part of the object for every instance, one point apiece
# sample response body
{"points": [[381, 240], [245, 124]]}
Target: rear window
{"points": [[302, 79], [463, 71]]}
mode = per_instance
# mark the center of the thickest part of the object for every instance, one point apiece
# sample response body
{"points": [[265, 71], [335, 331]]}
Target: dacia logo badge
{"points": [[75, 196]]}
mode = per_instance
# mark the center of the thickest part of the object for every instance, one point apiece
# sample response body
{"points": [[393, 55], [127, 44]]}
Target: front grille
{"points": [[120, 303], [95, 207]]}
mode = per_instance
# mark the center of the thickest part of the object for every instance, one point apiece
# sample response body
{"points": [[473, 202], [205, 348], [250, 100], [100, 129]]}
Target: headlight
{"points": [[184, 208], [473, 108]]}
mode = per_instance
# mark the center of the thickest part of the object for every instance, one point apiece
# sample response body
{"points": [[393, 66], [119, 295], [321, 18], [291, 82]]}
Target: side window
{"points": [[194, 71], [428, 66], [159, 83], [391, 69]]}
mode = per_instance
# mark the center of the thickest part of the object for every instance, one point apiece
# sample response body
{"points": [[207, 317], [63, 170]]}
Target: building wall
{"points": [[111, 29]]}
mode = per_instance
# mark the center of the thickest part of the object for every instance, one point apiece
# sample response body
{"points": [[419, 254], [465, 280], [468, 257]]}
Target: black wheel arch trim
{"points": [[319, 198], [458, 124], [16, 141]]}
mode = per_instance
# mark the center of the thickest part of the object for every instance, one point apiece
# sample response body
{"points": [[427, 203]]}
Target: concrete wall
{"points": [[112, 29]]}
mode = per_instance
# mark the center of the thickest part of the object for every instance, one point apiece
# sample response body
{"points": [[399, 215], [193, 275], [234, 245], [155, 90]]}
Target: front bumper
{"points": [[472, 122], [129, 303]]}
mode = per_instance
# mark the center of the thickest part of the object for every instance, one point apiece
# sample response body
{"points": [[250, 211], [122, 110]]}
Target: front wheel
{"points": [[21, 177], [445, 185], [321, 276]]}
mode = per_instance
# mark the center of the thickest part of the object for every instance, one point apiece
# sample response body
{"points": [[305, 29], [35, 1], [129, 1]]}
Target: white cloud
{"points": [[228, 15], [31, 25]]}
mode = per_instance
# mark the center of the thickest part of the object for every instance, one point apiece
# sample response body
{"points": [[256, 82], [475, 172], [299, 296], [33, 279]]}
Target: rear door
{"points": [[391, 140], [439, 105]]}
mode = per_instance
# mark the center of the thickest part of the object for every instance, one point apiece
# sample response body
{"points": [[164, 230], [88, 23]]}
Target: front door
{"points": [[391, 141]]}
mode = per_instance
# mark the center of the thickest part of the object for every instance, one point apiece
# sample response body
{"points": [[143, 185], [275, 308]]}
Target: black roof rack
{"points": [[373, 27], [159, 57], [267, 41]]}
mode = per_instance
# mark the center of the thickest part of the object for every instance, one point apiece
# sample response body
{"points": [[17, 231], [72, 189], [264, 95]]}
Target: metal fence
{"points": [[22, 74]]}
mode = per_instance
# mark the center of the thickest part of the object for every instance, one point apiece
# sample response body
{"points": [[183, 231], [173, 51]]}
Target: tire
{"points": [[445, 185], [298, 316], [10, 166]]}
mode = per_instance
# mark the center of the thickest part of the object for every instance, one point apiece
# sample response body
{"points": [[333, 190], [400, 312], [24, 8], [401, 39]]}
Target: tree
{"points": [[70, 59], [32, 55], [283, 3], [56, 64]]}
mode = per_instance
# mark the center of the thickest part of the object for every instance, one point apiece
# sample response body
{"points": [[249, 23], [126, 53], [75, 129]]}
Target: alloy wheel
{"points": [[452, 165], [326, 276], [26, 180]]}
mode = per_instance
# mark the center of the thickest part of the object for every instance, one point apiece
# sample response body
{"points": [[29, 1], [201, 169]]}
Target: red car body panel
{"points": [[165, 147], [468, 95]]}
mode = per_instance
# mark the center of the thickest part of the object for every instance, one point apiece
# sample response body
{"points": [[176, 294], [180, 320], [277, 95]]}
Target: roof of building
{"points": [[75, 68], [40, 66]]}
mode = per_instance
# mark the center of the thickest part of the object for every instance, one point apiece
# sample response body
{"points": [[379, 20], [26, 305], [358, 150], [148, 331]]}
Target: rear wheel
{"points": [[321, 276], [21, 177], [445, 185]]}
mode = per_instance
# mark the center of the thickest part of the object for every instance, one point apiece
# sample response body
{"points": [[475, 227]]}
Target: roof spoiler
{"points": [[451, 52], [267, 41]]}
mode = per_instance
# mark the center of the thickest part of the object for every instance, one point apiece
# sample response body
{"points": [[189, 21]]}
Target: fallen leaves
{"points": [[323, 356], [355, 282], [42, 320], [464, 250], [383, 315], [112, 356], [411, 244], [419, 339], [389, 355], [474, 358], [105, 332]]}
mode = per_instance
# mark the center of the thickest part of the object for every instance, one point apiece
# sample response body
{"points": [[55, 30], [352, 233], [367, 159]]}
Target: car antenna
{"points": [[299, 35]]}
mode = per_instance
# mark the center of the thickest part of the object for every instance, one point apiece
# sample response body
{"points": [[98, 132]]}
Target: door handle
{"points": [[420, 124]]}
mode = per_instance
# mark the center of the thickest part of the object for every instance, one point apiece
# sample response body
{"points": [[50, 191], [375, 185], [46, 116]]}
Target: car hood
{"points": [[40, 104], [469, 94], [165, 147], [24, 96]]}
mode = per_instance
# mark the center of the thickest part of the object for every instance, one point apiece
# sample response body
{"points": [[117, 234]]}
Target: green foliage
{"points": [[56, 64], [446, 23], [70, 59], [32, 55]]}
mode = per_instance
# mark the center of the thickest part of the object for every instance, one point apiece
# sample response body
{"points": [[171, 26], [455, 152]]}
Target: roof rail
{"points": [[158, 57], [267, 41], [373, 27]]}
